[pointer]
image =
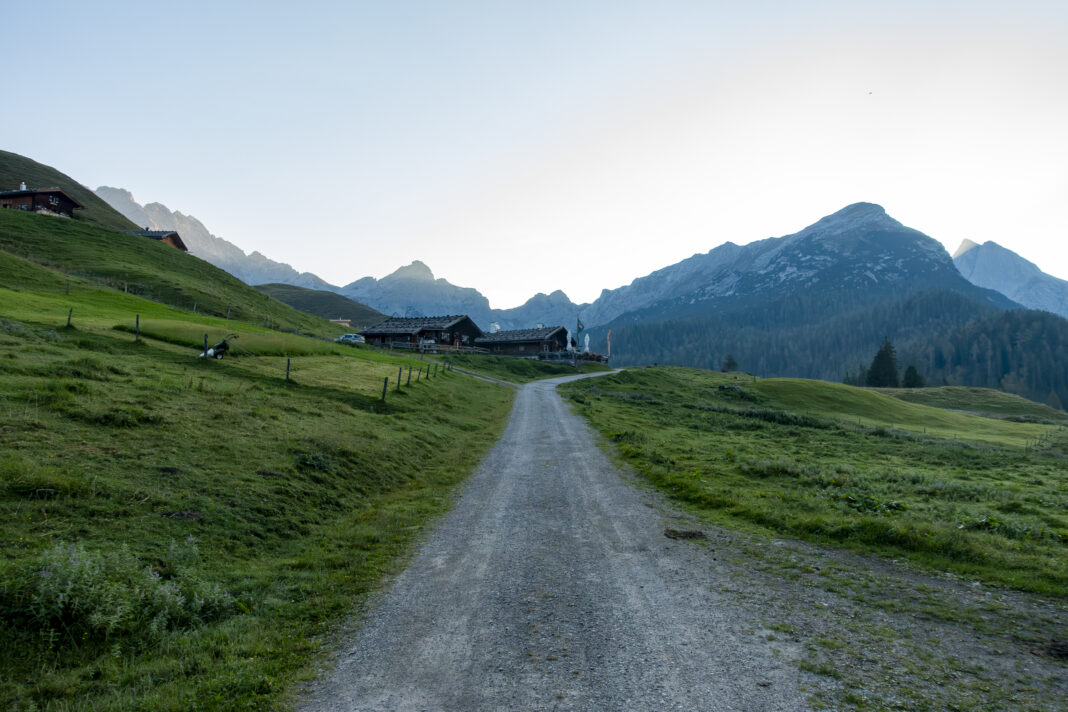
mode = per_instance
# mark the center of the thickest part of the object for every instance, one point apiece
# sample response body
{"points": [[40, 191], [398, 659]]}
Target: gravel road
{"points": [[551, 586]]}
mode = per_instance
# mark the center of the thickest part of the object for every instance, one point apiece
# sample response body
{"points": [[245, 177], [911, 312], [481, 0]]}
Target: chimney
{"points": [[22, 185]]}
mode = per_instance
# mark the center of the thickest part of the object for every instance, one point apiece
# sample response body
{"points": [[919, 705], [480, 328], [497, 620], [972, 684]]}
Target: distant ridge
{"points": [[326, 304], [252, 268], [992, 266]]}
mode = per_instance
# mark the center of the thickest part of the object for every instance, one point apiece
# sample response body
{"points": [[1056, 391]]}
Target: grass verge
{"points": [[989, 504]]}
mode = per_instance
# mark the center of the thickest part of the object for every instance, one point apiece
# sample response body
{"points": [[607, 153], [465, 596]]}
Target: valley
{"points": [[190, 533]]}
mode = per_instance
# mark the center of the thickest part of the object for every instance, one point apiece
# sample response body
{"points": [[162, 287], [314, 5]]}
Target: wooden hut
{"points": [[424, 331], [525, 342], [48, 201]]}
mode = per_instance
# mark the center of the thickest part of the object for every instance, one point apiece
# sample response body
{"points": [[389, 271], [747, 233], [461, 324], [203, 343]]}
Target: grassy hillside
{"points": [[100, 260], [834, 464], [327, 305], [183, 533], [15, 169], [872, 408], [981, 401]]}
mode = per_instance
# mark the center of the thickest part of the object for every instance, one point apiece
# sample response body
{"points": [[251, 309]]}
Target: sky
{"points": [[524, 147]]}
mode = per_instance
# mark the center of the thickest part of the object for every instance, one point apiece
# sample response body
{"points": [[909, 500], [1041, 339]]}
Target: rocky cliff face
{"points": [[251, 268], [992, 266]]}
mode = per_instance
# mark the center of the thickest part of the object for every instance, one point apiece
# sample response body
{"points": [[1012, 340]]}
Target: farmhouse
{"points": [[169, 237], [47, 201], [525, 342], [456, 330]]}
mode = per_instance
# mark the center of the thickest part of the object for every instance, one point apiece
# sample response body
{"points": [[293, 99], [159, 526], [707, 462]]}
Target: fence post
{"points": [[287, 369], [137, 327], [69, 314], [435, 370], [385, 385], [68, 287], [227, 312], [194, 307], [205, 345], [399, 370], [409, 375]]}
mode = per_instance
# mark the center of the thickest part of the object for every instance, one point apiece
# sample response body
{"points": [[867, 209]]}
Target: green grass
{"points": [[981, 401], [15, 168], [870, 407], [979, 497], [518, 370], [182, 533], [43, 252]]}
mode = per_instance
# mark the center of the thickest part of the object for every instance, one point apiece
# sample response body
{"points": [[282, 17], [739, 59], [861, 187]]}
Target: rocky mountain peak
{"points": [[964, 247], [852, 219], [416, 271]]}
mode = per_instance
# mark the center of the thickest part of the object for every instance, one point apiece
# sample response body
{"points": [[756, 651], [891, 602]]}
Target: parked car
{"points": [[350, 339]]}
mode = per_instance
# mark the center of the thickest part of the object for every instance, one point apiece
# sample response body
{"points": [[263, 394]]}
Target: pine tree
{"points": [[883, 370], [729, 364], [912, 378]]}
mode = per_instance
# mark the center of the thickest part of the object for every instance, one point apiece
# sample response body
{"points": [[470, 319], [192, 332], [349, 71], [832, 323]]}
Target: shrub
{"points": [[72, 596]]}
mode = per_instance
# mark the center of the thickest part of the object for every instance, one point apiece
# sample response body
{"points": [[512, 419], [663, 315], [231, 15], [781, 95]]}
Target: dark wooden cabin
{"points": [[525, 342], [456, 330], [47, 201], [169, 237]]}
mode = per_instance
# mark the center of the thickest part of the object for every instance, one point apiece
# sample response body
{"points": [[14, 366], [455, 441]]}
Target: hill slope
{"points": [[137, 265], [15, 168], [327, 305]]}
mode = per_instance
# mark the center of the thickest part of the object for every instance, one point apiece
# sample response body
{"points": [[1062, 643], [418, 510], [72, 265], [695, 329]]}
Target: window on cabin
{"points": [[53, 200]]}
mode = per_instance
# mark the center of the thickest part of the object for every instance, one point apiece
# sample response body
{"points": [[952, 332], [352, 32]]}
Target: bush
{"points": [[72, 596]]}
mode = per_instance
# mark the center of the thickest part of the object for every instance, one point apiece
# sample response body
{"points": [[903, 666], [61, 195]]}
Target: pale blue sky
{"points": [[523, 147]]}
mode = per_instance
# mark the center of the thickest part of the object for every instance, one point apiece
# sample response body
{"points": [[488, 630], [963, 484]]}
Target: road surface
{"points": [[551, 586]]}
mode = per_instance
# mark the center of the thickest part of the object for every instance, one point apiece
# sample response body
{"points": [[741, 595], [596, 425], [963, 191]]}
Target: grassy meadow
{"points": [[183, 533], [981, 497], [518, 370]]}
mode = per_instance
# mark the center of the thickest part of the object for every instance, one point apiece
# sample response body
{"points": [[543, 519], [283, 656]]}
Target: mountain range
{"points": [[252, 268], [413, 290]]}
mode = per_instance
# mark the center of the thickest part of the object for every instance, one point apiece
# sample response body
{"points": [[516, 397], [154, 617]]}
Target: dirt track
{"points": [[552, 585]]}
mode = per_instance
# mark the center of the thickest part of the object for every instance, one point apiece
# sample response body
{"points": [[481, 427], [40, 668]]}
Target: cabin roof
{"points": [[414, 325], [160, 235], [38, 191], [520, 335]]}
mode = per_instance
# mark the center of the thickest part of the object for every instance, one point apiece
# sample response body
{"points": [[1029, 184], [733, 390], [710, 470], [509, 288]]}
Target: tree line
{"points": [[949, 339]]}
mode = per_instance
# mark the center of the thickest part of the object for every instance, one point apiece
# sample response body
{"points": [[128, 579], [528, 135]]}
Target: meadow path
{"points": [[551, 586]]}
